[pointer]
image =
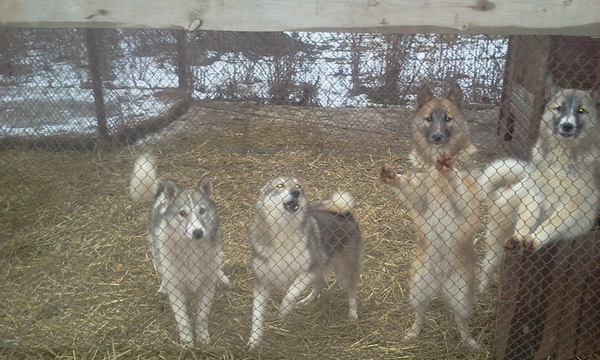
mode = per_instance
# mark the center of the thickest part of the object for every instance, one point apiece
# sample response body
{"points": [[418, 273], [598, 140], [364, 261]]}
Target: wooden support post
{"points": [[183, 65], [92, 37]]}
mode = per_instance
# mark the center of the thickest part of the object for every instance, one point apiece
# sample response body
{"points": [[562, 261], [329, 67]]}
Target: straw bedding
{"points": [[77, 281]]}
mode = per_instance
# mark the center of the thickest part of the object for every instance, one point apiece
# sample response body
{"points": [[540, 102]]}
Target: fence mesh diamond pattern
{"points": [[166, 190]]}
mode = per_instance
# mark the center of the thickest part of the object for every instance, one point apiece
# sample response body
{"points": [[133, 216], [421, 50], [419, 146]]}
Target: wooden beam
{"points": [[507, 17]]}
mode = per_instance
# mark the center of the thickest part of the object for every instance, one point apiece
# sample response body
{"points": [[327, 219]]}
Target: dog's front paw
{"points": [[410, 336], [444, 162], [520, 243], [387, 174], [253, 345], [223, 280], [284, 312]]}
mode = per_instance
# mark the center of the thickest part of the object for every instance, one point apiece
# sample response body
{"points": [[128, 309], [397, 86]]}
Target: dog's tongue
{"points": [[291, 206]]}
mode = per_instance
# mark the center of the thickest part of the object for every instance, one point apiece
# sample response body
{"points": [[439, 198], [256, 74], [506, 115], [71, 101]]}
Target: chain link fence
{"points": [[265, 161]]}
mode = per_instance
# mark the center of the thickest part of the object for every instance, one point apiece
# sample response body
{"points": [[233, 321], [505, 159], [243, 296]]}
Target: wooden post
{"points": [[523, 92], [548, 302], [92, 37], [183, 71]]}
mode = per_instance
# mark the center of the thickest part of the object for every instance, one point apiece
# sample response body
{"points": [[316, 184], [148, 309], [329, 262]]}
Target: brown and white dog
{"points": [[444, 199]]}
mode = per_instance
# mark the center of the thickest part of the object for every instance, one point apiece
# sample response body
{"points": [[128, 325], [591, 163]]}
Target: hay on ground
{"points": [[78, 283]]}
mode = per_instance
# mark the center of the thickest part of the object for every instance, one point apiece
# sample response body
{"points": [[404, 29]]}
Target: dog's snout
{"points": [[198, 234], [437, 138], [567, 127], [295, 193]]}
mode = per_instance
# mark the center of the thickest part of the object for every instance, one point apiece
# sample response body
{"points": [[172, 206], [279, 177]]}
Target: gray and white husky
{"points": [[554, 195], [185, 240], [294, 243]]}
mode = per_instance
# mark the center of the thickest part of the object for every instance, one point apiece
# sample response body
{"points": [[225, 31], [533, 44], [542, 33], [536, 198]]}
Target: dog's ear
{"points": [[205, 186], [551, 88], [595, 93], [169, 190], [456, 95], [423, 96]]}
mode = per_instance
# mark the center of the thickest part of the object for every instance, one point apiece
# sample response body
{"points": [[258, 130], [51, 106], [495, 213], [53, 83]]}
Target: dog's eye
{"points": [[279, 186], [297, 186], [558, 108], [201, 211], [447, 118], [580, 110], [429, 119], [183, 213]]}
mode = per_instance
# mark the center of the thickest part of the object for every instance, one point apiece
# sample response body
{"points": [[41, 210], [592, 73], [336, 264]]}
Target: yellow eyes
{"points": [[580, 110], [279, 186]]}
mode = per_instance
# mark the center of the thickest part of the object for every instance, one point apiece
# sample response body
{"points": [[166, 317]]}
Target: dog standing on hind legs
{"points": [[185, 241], [444, 203], [294, 244], [554, 195]]}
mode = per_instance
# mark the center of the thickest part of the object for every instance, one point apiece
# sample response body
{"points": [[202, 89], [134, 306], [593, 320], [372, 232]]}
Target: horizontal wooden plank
{"points": [[543, 17]]}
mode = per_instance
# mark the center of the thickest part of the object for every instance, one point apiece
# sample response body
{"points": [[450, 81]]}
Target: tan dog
{"points": [[444, 202]]}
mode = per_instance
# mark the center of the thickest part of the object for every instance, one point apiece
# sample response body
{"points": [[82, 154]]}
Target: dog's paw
{"points": [[410, 336], [444, 162], [223, 280], [520, 243], [471, 344], [253, 345], [284, 313], [482, 287], [387, 174]]}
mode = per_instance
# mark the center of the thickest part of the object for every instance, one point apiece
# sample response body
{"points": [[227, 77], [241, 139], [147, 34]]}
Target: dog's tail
{"points": [[143, 183], [338, 203], [501, 173]]}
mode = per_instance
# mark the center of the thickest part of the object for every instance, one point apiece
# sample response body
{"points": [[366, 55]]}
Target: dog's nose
{"points": [[295, 193], [197, 234], [567, 127], [437, 138]]}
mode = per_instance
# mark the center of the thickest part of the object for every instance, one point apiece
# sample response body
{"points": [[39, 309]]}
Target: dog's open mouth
{"points": [[291, 206]]}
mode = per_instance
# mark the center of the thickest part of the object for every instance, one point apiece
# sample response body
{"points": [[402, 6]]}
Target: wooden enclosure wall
{"points": [[549, 305]]}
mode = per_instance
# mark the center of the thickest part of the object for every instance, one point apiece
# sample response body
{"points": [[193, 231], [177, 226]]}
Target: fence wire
{"points": [[448, 182]]}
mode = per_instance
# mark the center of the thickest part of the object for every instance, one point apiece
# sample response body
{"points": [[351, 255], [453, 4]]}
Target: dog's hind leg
{"points": [[259, 307], [421, 291], [500, 226], [204, 305], [462, 307], [318, 285], [179, 306], [348, 279], [458, 294], [301, 283]]}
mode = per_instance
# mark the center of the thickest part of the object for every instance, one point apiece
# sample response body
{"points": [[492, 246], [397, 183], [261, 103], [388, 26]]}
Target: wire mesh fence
{"points": [[265, 161]]}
